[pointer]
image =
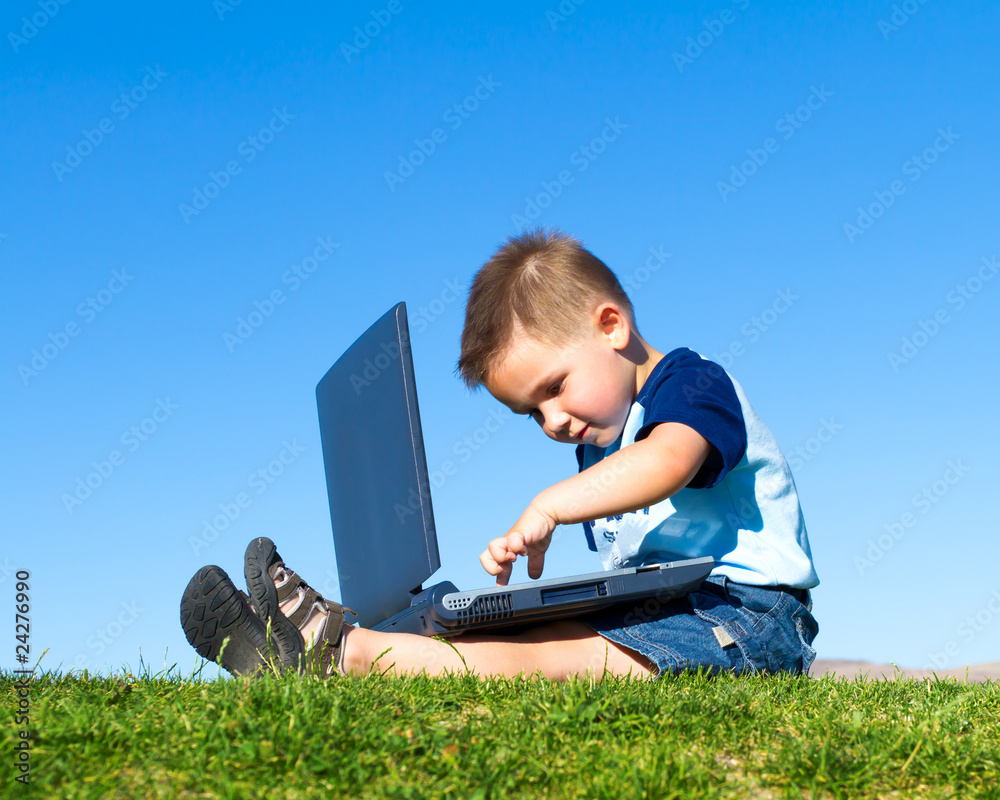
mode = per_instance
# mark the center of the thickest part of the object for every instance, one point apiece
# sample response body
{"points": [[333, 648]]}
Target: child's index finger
{"points": [[536, 563], [503, 577]]}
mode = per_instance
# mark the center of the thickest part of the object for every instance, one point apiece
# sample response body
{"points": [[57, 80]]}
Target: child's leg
{"points": [[722, 627], [558, 649]]}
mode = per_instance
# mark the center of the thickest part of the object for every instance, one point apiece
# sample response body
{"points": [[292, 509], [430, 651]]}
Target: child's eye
{"points": [[554, 388]]}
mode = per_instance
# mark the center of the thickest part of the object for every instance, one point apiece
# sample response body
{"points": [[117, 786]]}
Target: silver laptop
{"points": [[383, 524]]}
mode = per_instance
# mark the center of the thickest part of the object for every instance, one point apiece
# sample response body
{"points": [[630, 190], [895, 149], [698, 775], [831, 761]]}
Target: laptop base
{"points": [[442, 610]]}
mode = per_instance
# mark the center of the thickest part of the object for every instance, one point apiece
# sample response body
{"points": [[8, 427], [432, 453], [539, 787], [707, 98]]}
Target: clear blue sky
{"points": [[825, 181]]}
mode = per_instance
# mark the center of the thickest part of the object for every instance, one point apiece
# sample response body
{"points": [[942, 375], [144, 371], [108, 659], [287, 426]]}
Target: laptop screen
{"points": [[376, 472]]}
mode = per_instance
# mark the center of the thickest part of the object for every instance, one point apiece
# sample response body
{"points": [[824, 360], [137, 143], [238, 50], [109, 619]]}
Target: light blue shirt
{"points": [[741, 508]]}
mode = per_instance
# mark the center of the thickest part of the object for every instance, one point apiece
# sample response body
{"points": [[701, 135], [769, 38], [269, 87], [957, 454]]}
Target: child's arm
{"points": [[637, 476]]}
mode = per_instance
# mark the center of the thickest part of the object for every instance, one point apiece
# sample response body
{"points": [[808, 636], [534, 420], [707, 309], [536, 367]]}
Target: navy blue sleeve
{"points": [[588, 527], [686, 388]]}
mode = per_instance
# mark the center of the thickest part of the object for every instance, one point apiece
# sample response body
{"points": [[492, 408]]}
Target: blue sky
{"points": [[824, 181]]}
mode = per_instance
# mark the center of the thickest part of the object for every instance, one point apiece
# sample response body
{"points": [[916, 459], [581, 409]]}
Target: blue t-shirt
{"points": [[741, 507]]}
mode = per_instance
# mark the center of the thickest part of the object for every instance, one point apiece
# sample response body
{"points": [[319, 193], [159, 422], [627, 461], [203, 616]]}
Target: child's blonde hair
{"points": [[545, 284]]}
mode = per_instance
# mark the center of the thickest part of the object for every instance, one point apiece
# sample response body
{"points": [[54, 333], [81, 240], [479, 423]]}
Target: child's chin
{"points": [[607, 438]]}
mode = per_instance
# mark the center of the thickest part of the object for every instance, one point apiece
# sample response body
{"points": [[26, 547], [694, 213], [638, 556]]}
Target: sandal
{"points": [[263, 568], [218, 620]]}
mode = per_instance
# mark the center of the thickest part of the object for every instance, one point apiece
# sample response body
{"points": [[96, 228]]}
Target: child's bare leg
{"points": [[558, 649]]}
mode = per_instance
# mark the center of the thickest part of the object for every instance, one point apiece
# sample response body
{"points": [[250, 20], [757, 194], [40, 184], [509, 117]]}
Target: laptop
{"points": [[383, 524]]}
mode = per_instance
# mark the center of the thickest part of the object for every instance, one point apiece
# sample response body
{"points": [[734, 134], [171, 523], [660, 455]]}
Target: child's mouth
{"points": [[585, 429]]}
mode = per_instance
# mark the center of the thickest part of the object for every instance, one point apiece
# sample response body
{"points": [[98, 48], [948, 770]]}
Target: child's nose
{"points": [[557, 421]]}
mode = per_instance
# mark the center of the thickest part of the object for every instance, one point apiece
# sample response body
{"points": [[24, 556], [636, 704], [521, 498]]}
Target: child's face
{"points": [[580, 392]]}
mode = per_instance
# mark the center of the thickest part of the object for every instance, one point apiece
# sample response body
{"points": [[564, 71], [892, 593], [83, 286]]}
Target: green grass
{"points": [[384, 737]]}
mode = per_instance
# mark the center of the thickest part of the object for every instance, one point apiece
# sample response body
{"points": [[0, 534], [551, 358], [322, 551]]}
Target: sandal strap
{"points": [[325, 655], [310, 597], [291, 584]]}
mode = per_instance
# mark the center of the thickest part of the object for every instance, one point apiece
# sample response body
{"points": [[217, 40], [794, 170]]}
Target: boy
{"points": [[673, 463]]}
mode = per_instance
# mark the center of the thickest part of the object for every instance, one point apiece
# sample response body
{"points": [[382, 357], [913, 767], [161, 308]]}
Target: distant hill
{"points": [[851, 669]]}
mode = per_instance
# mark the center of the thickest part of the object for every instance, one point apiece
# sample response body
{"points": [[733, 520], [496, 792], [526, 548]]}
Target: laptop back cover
{"points": [[376, 472]]}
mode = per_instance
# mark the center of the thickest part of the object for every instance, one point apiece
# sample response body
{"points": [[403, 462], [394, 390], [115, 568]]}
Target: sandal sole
{"points": [[212, 610], [261, 554]]}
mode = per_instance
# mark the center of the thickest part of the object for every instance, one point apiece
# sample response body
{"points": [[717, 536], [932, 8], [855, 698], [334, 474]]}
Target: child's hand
{"points": [[530, 537]]}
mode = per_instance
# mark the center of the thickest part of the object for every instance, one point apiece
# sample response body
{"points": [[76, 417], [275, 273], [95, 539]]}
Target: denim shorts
{"points": [[720, 627]]}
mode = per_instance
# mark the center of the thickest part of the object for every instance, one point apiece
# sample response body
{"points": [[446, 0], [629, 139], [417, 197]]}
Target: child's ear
{"points": [[613, 324]]}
